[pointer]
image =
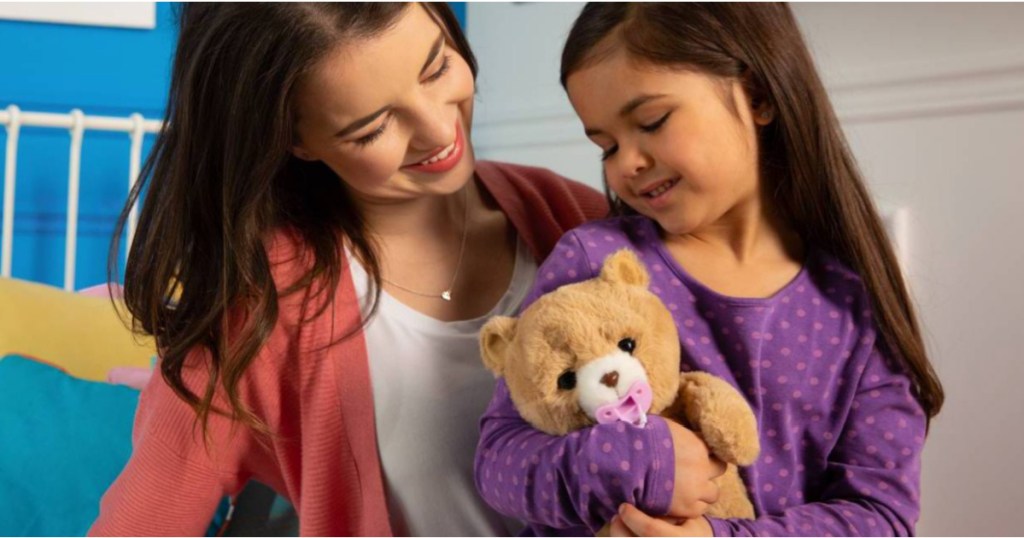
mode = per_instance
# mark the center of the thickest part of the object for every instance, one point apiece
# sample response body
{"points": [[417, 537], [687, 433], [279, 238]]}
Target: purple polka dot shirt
{"points": [[841, 434]]}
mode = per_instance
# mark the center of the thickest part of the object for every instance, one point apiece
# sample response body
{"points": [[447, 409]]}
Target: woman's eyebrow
{"points": [[435, 49], [361, 122]]}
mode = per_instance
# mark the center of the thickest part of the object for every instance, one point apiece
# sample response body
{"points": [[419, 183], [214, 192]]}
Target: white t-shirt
{"points": [[430, 388]]}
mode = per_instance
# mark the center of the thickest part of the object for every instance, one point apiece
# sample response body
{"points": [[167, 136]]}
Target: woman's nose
{"points": [[434, 126]]}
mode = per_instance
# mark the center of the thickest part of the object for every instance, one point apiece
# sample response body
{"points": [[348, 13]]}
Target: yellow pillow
{"points": [[83, 335]]}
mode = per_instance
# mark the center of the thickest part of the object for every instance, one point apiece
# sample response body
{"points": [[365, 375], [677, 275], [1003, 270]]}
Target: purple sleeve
{"points": [[873, 476], [580, 478], [568, 263]]}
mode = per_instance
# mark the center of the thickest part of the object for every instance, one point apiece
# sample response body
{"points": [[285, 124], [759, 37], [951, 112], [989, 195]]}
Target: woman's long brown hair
{"points": [[220, 179], [809, 172]]}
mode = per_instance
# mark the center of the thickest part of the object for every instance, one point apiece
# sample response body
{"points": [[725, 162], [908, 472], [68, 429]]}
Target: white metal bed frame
{"points": [[76, 123]]}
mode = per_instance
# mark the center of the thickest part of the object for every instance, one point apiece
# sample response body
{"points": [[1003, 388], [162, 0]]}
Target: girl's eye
{"points": [[370, 138], [651, 127], [606, 154], [445, 65]]}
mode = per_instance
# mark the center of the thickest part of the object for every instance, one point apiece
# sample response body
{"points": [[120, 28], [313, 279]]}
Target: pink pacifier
{"points": [[631, 408]]}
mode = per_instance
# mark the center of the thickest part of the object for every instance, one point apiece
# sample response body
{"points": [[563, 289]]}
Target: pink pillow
{"points": [[131, 376], [114, 290]]}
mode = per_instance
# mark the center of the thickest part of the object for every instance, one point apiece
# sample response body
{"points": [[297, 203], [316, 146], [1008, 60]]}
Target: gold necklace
{"points": [[446, 294]]}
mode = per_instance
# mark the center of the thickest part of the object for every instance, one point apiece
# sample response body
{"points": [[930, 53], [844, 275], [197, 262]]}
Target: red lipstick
{"points": [[445, 164]]}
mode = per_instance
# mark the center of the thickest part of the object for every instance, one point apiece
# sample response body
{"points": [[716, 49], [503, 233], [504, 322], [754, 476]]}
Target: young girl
{"points": [[315, 255], [733, 183]]}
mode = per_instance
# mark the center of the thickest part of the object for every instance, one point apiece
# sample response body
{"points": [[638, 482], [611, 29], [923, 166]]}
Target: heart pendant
{"points": [[446, 295]]}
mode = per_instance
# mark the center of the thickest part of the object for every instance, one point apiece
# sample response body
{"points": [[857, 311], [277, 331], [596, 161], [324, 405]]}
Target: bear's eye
{"points": [[627, 345], [567, 381]]}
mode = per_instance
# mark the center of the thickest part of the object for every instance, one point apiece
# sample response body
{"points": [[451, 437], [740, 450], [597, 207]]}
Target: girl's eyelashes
{"points": [[648, 128], [651, 127]]}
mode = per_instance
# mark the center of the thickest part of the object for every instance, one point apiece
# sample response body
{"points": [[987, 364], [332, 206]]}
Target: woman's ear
{"points": [[763, 112], [302, 153], [760, 106]]}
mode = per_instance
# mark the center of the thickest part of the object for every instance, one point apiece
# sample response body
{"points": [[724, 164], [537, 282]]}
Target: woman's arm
{"points": [[158, 494], [171, 485]]}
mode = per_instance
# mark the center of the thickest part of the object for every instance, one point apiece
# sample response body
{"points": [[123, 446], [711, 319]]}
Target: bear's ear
{"points": [[495, 338], [623, 267]]}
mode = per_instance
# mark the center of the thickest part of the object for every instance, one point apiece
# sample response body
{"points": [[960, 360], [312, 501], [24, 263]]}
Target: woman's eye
{"points": [[446, 63], [651, 127], [370, 138]]}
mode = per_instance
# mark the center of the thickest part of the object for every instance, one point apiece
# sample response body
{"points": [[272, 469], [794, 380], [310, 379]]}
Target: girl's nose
{"points": [[632, 162]]}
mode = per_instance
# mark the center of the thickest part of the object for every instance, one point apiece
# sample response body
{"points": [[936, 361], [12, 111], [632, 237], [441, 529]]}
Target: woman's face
{"points": [[390, 114], [672, 145]]}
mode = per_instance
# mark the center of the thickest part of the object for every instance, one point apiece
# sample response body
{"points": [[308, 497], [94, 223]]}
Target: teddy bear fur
{"points": [[579, 324]]}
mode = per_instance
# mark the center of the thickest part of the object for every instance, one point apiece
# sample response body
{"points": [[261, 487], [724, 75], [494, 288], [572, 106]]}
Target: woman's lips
{"points": [[449, 156]]}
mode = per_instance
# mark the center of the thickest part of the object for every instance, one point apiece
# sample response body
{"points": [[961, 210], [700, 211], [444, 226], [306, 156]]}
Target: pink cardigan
{"points": [[316, 397]]}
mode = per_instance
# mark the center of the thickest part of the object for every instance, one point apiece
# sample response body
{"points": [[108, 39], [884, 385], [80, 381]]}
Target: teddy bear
{"points": [[606, 349]]}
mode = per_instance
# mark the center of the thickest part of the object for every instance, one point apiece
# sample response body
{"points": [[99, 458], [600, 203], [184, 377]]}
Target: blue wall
{"points": [[103, 71], [460, 12]]}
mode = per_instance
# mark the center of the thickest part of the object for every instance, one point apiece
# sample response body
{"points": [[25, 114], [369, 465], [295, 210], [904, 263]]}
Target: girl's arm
{"points": [[873, 482], [580, 478], [577, 479]]}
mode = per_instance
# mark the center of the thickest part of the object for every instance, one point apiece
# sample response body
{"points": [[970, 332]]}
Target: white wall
{"points": [[932, 100]]}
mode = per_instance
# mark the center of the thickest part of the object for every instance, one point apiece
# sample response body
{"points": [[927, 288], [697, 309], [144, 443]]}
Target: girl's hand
{"points": [[695, 472], [630, 521]]}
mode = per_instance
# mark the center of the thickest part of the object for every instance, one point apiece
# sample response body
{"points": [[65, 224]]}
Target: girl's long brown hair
{"points": [[808, 169], [220, 178]]}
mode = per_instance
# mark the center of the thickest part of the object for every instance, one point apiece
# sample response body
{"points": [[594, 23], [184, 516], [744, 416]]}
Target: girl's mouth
{"points": [[659, 189]]}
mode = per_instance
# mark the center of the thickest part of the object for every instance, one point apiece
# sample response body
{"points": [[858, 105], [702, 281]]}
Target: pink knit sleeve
{"points": [[172, 485], [158, 494]]}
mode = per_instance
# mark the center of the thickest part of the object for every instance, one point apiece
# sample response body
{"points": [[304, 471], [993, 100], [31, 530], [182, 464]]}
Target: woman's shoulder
{"points": [[306, 302], [540, 204], [287, 252], [520, 172], [535, 184]]}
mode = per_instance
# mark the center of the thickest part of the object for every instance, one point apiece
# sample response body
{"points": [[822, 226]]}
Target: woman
{"points": [[315, 254]]}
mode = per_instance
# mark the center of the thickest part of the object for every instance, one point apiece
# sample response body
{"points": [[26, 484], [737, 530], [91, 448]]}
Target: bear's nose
{"points": [[610, 379]]}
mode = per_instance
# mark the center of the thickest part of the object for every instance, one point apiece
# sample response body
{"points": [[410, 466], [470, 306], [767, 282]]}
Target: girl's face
{"points": [[673, 149], [391, 114]]}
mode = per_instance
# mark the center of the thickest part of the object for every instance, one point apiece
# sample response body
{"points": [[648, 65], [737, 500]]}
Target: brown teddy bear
{"points": [[606, 349]]}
